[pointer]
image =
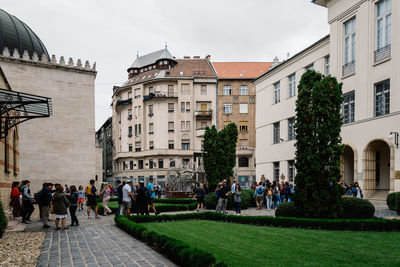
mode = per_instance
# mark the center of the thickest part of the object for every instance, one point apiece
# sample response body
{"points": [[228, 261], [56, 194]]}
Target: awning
{"points": [[16, 107]]}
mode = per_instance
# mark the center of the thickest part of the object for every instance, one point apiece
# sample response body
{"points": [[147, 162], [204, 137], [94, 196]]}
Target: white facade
{"points": [[363, 57]]}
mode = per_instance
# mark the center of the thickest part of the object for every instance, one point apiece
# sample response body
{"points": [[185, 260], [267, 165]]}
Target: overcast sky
{"points": [[111, 32]]}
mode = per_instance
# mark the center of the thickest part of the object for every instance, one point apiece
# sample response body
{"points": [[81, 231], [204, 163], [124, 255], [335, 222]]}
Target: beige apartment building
{"points": [[160, 114], [362, 52], [236, 103]]}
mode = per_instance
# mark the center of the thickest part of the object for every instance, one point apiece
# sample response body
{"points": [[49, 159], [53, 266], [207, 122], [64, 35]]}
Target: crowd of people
{"points": [[354, 190], [270, 195]]}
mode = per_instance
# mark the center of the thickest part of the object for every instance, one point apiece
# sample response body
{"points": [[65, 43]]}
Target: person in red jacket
{"points": [[15, 203]]}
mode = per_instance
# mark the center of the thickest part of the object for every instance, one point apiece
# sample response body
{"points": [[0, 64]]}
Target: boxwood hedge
{"points": [[391, 200], [3, 220]]}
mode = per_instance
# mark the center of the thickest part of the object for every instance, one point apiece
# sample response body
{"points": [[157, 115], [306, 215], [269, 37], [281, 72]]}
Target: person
{"points": [[127, 198], [91, 196], [275, 195], [36, 197], [106, 193], [223, 195], [233, 187], [237, 199], [67, 190], [358, 191], [217, 194], [27, 202], [14, 197], [60, 206], [259, 195], [200, 196], [81, 197], [152, 191], [288, 193], [142, 195], [283, 192], [118, 195], [269, 197], [73, 199], [158, 191], [45, 199]]}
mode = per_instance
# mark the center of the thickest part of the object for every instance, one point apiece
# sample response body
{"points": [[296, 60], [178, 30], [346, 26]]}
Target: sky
{"points": [[111, 33]]}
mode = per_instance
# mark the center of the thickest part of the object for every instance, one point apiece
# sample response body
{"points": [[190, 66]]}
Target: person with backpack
{"points": [[73, 199], [27, 202], [142, 197], [45, 199], [152, 191], [269, 194], [259, 195], [90, 192], [276, 195]]}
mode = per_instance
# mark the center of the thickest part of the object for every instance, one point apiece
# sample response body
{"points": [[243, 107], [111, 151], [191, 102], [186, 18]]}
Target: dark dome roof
{"points": [[16, 34]]}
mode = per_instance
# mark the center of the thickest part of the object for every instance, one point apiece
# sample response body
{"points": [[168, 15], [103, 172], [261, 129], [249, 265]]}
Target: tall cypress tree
{"points": [[318, 146], [219, 153]]}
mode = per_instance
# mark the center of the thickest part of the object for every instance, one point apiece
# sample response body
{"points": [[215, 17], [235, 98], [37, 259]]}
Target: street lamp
{"points": [[395, 136]]}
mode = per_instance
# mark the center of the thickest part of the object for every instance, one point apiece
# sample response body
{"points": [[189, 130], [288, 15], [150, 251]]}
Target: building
{"points": [[236, 97], [61, 148], [160, 114], [104, 147], [361, 51]]}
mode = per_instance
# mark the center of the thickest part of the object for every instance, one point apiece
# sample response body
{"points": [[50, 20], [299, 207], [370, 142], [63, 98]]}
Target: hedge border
{"points": [[163, 208], [178, 251], [285, 222], [3, 220], [161, 200]]}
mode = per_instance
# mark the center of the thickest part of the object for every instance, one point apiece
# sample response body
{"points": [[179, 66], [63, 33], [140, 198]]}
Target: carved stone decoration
{"points": [[53, 59], [6, 52], [16, 53], [62, 61], [25, 55], [35, 57], [87, 65], [94, 66], [43, 58], [79, 63], [70, 62]]}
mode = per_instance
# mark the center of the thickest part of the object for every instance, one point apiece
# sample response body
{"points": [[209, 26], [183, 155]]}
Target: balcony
{"points": [[349, 68], [124, 102], [203, 114], [383, 53], [200, 132], [160, 95]]}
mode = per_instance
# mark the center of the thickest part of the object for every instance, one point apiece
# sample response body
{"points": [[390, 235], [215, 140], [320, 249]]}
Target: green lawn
{"points": [[249, 245]]}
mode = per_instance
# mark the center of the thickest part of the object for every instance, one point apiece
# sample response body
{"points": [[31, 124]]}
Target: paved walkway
{"points": [[94, 243]]}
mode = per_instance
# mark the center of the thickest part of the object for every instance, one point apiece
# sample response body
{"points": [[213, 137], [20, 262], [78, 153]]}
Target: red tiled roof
{"points": [[241, 70]]}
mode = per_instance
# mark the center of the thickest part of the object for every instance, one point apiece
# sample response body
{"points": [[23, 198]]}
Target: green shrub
{"points": [[288, 209], [391, 200], [3, 220], [398, 203], [357, 208]]}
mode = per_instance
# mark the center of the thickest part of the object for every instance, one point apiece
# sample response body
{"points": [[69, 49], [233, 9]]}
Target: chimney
{"points": [[186, 57], [208, 57], [196, 56]]}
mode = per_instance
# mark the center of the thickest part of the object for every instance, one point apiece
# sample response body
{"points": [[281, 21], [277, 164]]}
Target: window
{"points": [[291, 131], [252, 99], [276, 171], [151, 90], [291, 171], [170, 144], [131, 165], [140, 163], [382, 98], [137, 93], [137, 111], [185, 88], [151, 128], [227, 108], [383, 23], [185, 163], [130, 147], [129, 131], [348, 107], [350, 41], [243, 90], [171, 126], [227, 90], [160, 163], [243, 162], [138, 129], [151, 111], [277, 92], [310, 67], [243, 126], [203, 90], [129, 95], [185, 126], [170, 90], [277, 134], [328, 65], [151, 164], [170, 107], [292, 85], [129, 114], [244, 108], [185, 144], [138, 147], [185, 106], [151, 145]]}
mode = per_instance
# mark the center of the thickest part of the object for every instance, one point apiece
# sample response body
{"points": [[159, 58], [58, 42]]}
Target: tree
{"points": [[219, 154], [318, 146]]}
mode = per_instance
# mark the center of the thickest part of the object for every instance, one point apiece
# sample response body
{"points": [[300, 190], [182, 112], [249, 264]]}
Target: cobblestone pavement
{"points": [[96, 242]]}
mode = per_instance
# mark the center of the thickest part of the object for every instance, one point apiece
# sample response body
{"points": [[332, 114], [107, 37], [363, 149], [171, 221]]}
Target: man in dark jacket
{"points": [[45, 198], [142, 197], [119, 195]]}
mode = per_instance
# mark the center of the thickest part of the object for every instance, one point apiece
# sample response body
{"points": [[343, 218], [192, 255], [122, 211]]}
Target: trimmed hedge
{"points": [[353, 208], [176, 200], [308, 223], [391, 200], [398, 203], [178, 251], [161, 208], [247, 200], [3, 220]]}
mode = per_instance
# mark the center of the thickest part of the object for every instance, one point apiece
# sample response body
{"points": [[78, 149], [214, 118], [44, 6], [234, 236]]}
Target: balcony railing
{"points": [[124, 102], [383, 53], [203, 114], [349, 68], [160, 95]]}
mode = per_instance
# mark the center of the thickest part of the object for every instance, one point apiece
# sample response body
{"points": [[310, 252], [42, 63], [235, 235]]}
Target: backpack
{"points": [[88, 190], [260, 190]]}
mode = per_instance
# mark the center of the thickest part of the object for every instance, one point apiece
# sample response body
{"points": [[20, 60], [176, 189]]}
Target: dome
{"points": [[16, 34]]}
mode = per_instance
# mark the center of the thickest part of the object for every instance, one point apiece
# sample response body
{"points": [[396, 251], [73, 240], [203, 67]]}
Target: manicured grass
{"points": [[249, 245]]}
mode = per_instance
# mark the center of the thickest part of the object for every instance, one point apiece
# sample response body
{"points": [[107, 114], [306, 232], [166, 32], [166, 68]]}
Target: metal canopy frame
{"points": [[16, 107]]}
